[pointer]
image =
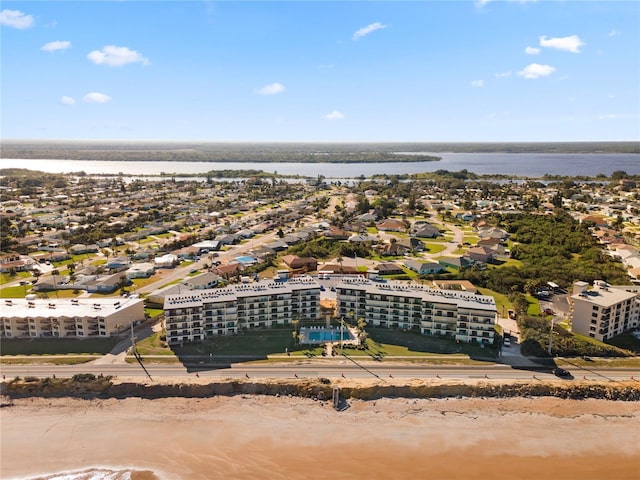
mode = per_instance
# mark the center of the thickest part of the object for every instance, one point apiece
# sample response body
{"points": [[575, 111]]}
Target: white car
{"points": [[507, 342]]}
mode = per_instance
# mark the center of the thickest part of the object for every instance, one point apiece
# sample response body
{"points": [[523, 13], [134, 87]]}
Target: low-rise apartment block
{"points": [[198, 314], [461, 315], [24, 317], [603, 311]]}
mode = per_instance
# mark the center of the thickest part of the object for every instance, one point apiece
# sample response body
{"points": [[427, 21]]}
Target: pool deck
{"points": [[304, 337]]}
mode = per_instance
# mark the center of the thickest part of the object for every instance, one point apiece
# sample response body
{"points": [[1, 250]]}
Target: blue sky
{"points": [[321, 71]]}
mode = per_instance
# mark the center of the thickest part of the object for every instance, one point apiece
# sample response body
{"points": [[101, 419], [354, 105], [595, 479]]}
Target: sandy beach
{"points": [[247, 437]]}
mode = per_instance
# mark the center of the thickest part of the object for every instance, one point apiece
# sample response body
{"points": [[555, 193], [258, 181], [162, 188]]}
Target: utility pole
{"points": [[133, 339]]}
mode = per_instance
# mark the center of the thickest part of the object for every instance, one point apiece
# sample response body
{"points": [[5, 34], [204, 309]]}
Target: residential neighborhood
{"points": [[81, 237]]}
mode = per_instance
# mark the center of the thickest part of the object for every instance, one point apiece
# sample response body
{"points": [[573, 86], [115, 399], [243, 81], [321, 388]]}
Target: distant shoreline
{"points": [[225, 152]]}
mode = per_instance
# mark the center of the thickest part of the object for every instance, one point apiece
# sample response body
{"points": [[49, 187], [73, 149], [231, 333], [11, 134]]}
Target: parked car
{"points": [[507, 341], [548, 311], [562, 373]]}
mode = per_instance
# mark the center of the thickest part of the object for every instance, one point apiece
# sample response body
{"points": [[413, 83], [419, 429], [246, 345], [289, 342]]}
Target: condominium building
{"points": [[461, 315], [30, 317], [198, 314], [603, 311]]}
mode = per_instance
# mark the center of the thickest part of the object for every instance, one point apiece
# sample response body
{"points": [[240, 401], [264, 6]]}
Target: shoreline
{"points": [[254, 436]]}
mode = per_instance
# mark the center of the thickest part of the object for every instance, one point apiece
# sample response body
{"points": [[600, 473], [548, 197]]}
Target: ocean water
{"points": [[521, 164], [100, 473]]}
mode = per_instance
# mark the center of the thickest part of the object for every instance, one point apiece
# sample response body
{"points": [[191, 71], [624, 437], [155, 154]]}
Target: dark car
{"points": [[562, 373]]}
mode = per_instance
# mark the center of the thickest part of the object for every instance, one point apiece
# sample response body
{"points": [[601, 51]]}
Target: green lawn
{"points": [[17, 291], [142, 282], [626, 341], [435, 247], [7, 278], [262, 342], [153, 345], [502, 302], [56, 346], [534, 306], [154, 312], [384, 342]]}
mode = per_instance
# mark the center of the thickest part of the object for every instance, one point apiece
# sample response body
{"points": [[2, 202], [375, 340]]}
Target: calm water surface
{"points": [[523, 164]]}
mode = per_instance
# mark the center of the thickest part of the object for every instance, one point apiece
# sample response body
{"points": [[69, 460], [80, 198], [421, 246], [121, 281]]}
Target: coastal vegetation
{"points": [[217, 152], [550, 248]]}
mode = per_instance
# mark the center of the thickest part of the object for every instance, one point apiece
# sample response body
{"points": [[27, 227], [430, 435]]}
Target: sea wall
{"points": [[106, 387]]}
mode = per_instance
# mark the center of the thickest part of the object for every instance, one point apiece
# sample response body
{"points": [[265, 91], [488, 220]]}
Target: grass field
{"points": [[18, 291], [255, 342], [502, 302], [7, 278], [626, 341], [56, 346], [277, 341], [386, 342]]}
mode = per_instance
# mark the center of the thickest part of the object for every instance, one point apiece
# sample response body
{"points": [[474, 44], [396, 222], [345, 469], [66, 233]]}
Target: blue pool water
{"points": [[246, 259], [327, 335]]}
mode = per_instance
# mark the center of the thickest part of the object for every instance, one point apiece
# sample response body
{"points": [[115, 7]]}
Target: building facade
{"points": [[78, 318], [197, 315], [603, 311], [461, 315]]}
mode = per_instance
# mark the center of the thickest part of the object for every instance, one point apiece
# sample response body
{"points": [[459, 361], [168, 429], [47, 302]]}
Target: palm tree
{"points": [[36, 273], [362, 335], [55, 272]]}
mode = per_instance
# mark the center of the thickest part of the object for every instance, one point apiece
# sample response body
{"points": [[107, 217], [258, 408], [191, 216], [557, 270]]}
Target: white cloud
{"points": [[535, 70], [335, 115], [477, 83], [56, 45], [613, 33], [67, 100], [571, 43], [113, 56], [15, 19], [503, 74], [610, 116], [532, 51], [96, 97], [272, 89], [368, 29]]}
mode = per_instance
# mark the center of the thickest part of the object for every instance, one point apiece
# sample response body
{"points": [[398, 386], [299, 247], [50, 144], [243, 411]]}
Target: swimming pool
{"points": [[247, 260], [328, 336], [320, 335]]}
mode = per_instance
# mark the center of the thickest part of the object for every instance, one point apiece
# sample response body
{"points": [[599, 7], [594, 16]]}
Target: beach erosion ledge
{"points": [[101, 387]]}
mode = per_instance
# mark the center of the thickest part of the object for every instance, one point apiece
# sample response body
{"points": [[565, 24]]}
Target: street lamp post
{"points": [[133, 340], [341, 333], [550, 336]]}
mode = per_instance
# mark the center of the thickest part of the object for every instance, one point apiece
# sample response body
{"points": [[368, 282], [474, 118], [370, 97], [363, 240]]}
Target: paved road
{"points": [[334, 370]]}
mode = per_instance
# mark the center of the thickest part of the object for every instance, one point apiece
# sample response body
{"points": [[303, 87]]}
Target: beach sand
{"points": [[249, 437]]}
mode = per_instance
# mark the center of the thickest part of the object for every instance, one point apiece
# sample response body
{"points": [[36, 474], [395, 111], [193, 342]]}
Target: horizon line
{"points": [[312, 141]]}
